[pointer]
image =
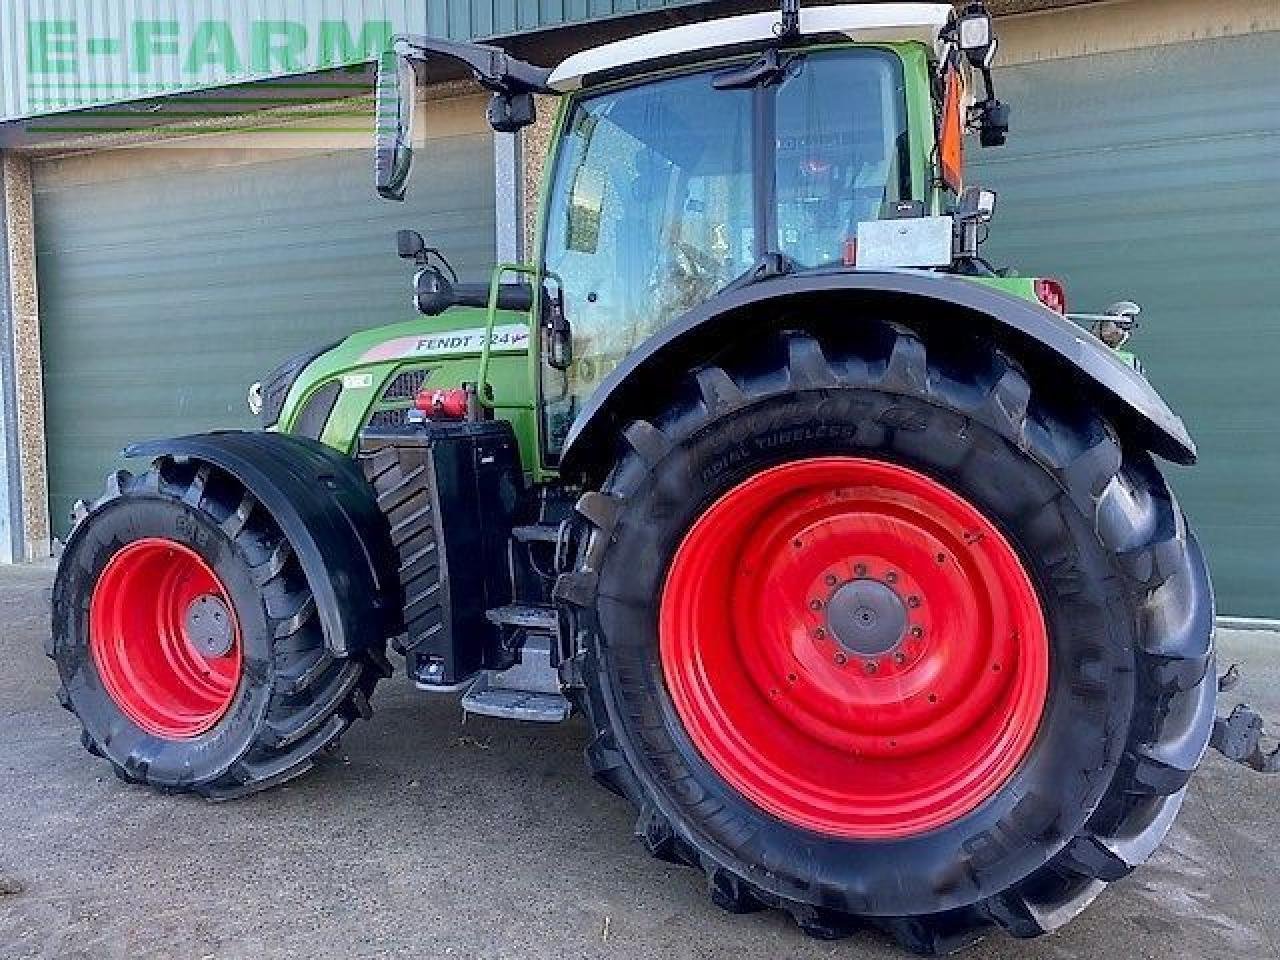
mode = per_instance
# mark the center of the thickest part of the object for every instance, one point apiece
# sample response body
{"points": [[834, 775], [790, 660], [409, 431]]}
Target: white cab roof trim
{"points": [[866, 22]]}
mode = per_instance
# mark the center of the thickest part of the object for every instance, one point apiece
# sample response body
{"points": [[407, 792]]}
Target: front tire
{"points": [[187, 640], [1103, 714]]}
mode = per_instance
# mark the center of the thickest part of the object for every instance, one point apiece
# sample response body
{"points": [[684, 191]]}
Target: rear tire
{"points": [[287, 698], [1122, 585]]}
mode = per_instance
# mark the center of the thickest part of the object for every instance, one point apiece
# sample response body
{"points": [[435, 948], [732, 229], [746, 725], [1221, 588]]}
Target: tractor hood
{"points": [[373, 376]]}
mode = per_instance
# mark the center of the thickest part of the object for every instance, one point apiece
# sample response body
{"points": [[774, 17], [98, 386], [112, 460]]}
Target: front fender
{"points": [[326, 510], [1032, 333]]}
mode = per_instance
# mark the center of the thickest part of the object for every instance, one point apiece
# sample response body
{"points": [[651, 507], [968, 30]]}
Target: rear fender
{"points": [[326, 510], [1036, 336]]}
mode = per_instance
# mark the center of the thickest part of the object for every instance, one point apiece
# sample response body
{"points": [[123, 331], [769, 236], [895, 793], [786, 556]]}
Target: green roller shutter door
{"points": [[1153, 175], [163, 297]]}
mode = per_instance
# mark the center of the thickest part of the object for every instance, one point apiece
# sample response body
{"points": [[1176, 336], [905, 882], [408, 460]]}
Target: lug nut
{"points": [[917, 632], [860, 569], [819, 633], [913, 601], [841, 659], [899, 658], [891, 577], [815, 604], [870, 666], [831, 579]]}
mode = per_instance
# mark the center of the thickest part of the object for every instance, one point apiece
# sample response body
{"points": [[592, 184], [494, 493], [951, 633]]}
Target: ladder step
{"points": [[536, 533], [507, 704], [525, 617]]}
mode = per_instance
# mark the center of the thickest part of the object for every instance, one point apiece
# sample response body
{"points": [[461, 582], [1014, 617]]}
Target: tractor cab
{"points": [[704, 158]]}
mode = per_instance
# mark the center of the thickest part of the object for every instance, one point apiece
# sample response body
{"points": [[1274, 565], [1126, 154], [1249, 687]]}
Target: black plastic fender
{"points": [[1035, 335], [327, 511]]}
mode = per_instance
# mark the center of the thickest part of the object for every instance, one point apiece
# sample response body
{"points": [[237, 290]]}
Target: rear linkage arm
{"points": [[1238, 737]]}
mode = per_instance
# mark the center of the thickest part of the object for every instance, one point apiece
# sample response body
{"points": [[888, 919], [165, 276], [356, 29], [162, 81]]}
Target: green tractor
{"points": [[852, 550]]}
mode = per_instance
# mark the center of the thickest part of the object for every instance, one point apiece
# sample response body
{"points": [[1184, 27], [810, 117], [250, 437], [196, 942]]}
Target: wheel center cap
{"points": [[867, 617], [208, 625]]}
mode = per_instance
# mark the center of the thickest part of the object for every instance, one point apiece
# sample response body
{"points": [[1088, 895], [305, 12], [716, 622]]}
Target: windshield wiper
{"points": [[771, 68], [769, 267]]}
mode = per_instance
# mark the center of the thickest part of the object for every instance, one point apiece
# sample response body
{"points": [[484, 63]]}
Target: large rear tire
{"points": [[187, 639], [992, 524]]}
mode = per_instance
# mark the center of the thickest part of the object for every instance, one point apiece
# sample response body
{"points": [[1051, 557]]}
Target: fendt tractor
{"points": [[851, 549]]}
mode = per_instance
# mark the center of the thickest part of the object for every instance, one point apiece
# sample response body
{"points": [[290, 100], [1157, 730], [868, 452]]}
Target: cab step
{"points": [[528, 691], [537, 533], [525, 617]]}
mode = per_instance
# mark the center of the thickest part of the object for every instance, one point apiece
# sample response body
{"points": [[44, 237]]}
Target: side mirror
{"points": [[397, 97]]}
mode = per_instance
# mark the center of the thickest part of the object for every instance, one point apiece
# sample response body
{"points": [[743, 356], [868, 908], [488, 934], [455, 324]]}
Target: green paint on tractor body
{"points": [[368, 363]]}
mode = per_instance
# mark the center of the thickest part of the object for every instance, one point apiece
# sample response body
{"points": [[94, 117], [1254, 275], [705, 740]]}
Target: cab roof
{"points": [[866, 22]]}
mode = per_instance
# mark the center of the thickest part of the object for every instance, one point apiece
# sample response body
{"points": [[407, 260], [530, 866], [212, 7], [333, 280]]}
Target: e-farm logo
{"points": [[93, 62], [231, 49]]}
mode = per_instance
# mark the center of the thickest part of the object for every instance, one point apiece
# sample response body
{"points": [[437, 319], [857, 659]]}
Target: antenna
{"points": [[790, 26]]}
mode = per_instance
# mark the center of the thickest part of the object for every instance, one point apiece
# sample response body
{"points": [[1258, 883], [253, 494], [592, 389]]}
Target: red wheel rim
{"points": [[854, 647], [164, 637]]}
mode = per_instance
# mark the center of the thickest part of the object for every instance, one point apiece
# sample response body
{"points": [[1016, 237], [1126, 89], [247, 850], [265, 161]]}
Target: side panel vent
{"points": [[315, 412], [406, 385], [389, 419]]}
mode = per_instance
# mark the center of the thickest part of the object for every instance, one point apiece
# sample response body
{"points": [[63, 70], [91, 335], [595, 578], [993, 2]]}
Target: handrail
{"points": [[491, 319]]}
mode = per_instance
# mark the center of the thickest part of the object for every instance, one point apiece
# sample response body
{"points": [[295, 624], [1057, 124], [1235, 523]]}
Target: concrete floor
{"points": [[428, 839]]}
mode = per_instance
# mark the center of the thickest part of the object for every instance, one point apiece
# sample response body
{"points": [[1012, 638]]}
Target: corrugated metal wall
{"points": [[66, 54], [169, 282], [1153, 175]]}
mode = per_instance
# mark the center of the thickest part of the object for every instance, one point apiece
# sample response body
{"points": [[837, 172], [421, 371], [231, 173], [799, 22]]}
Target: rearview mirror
{"points": [[397, 98]]}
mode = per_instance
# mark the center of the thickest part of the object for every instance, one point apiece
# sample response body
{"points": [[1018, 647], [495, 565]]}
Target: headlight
{"points": [[255, 398]]}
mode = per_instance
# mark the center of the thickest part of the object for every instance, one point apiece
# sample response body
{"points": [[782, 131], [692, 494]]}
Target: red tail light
{"points": [[1051, 293], [442, 404]]}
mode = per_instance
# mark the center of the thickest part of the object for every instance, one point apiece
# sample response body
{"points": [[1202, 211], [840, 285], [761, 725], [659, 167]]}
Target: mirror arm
{"points": [[493, 68]]}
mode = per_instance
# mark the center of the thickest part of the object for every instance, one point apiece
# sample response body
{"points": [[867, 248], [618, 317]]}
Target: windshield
{"points": [[667, 191], [842, 152]]}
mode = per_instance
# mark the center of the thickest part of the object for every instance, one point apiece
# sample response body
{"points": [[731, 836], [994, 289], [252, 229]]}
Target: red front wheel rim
{"points": [[164, 638], [854, 647]]}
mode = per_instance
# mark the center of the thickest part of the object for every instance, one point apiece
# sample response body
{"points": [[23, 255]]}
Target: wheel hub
{"points": [[867, 617], [208, 625]]}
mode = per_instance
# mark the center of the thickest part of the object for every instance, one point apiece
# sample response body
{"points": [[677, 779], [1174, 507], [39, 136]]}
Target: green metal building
{"points": [[187, 200]]}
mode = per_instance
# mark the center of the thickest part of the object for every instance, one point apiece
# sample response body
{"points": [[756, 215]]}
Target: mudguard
{"points": [[321, 502], [1035, 335]]}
